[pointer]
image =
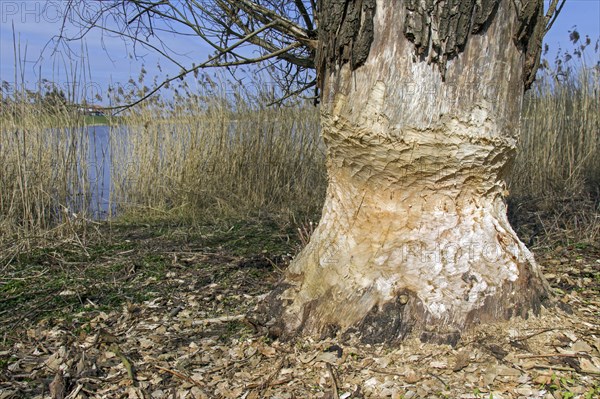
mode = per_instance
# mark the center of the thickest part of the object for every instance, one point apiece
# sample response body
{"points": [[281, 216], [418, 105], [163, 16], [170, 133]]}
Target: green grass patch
{"points": [[130, 263], [245, 237]]}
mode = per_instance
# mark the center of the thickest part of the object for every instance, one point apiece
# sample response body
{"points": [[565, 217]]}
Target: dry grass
{"points": [[557, 170], [559, 149], [45, 186], [44, 180], [220, 155]]}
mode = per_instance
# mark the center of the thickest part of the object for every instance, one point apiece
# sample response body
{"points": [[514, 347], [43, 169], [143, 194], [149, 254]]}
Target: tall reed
{"points": [[559, 152], [44, 153], [211, 154], [557, 170], [44, 180]]}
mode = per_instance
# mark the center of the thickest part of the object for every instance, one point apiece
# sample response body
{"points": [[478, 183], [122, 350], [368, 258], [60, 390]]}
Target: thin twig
{"points": [[387, 372], [334, 384], [268, 381], [181, 376], [548, 355], [526, 337], [126, 362], [218, 320], [559, 368]]}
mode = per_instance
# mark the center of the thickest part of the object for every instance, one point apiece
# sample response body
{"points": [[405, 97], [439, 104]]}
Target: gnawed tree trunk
{"points": [[420, 114]]}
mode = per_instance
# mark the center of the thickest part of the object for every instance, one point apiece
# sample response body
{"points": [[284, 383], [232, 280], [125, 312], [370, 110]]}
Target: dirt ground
{"points": [[159, 312]]}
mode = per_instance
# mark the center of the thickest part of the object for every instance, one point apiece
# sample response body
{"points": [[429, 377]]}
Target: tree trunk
{"points": [[420, 130]]}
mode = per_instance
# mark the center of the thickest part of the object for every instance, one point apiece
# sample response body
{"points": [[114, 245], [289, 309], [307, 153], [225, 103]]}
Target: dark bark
{"points": [[345, 34], [438, 30], [529, 36]]}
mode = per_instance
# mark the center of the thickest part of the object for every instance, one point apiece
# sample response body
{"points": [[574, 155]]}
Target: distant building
{"points": [[92, 110]]}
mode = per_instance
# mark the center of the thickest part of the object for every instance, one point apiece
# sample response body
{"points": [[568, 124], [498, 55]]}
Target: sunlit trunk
{"points": [[414, 236]]}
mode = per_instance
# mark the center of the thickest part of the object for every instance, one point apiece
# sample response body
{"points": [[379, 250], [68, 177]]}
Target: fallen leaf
{"points": [[462, 360], [581, 346], [58, 386], [411, 376], [327, 357], [508, 371], [587, 366], [267, 351]]}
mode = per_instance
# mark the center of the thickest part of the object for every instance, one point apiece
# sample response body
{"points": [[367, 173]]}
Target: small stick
{"points": [[74, 393], [375, 370], [334, 384], [128, 366], [559, 368], [547, 355], [526, 337], [439, 379], [267, 383], [217, 320], [181, 376]]}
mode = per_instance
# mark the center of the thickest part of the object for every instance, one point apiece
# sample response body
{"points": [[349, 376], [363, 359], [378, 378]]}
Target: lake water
{"points": [[99, 170]]}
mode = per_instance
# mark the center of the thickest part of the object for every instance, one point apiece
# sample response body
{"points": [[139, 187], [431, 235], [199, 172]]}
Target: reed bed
{"points": [[44, 183], [559, 149], [218, 155], [556, 173], [199, 152]]}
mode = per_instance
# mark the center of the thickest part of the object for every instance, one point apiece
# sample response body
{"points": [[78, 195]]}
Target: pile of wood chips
{"points": [[196, 343]]}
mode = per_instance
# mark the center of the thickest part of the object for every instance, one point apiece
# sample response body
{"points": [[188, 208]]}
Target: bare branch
{"points": [[553, 13], [205, 64], [286, 26], [302, 10], [294, 93], [282, 32]]}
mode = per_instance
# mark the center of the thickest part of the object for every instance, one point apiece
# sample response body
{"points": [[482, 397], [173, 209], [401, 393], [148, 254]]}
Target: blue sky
{"points": [[111, 60]]}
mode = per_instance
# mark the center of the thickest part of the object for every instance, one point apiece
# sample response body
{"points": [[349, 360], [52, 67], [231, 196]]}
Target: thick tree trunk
{"points": [[414, 236]]}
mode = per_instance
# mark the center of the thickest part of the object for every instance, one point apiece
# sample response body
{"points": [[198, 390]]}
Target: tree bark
{"points": [[414, 237]]}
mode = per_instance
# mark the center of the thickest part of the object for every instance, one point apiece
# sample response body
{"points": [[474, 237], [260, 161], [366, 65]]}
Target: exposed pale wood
{"points": [[218, 320]]}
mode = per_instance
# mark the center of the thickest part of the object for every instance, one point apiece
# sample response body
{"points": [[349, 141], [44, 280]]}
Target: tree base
{"points": [[413, 240], [400, 319]]}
